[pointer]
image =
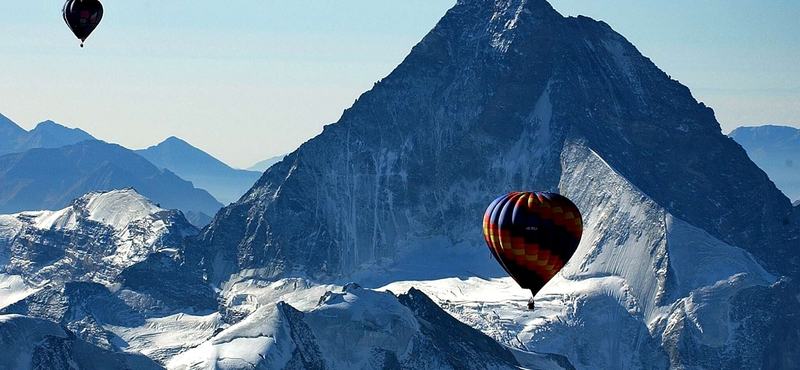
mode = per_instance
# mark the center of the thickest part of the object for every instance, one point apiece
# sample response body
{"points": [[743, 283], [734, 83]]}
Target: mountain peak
{"points": [[223, 182], [118, 228], [522, 5], [174, 140], [766, 132], [8, 127], [509, 95], [48, 123], [115, 208], [495, 90], [163, 154], [53, 135]]}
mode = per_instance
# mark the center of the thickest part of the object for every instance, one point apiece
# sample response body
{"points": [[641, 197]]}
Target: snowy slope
{"points": [[103, 267], [688, 260], [13, 289], [626, 298], [689, 256], [30, 343], [353, 328], [95, 238]]}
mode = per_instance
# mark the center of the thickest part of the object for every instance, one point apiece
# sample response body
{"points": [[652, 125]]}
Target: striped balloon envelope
{"points": [[532, 235]]}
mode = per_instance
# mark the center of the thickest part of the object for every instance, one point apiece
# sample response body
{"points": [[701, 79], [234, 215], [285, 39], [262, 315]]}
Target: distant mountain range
{"points": [[688, 258], [223, 182], [49, 178], [47, 134], [204, 171], [266, 164], [776, 149]]}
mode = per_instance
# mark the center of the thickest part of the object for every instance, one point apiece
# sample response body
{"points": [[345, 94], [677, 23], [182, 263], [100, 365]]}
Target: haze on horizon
{"points": [[258, 79]]}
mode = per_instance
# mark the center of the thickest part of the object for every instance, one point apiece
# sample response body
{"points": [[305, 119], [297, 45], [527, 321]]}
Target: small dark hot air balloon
{"points": [[532, 235], [82, 17]]}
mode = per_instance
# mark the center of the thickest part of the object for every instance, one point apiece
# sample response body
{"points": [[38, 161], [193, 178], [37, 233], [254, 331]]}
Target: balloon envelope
{"points": [[82, 16], [532, 235]]}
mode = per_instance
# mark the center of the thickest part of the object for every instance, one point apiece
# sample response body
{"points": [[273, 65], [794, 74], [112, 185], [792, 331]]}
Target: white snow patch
{"points": [[13, 289], [163, 337], [625, 64], [116, 208], [128, 228], [262, 336]]}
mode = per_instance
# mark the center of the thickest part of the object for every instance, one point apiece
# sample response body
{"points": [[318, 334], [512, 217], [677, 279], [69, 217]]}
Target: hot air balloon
{"points": [[82, 17], [532, 235]]}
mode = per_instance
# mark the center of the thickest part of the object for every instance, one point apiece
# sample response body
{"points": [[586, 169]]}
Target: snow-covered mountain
{"points": [[112, 272], [776, 149], [110, 259], [93, 239], [688, 244], [206, 172], [688, 259], [351, 329], [49, 178], [30, 343]]}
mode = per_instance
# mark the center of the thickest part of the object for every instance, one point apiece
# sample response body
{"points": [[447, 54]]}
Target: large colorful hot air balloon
{"points": [[532, 235], [82, 17]]}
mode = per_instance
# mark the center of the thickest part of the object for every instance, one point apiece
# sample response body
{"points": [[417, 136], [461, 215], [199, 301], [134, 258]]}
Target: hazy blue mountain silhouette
{"points": [[61, 135], [776, 149], [47, 134], [204, 171], [265, 164], [11, 135], [50, 178]]}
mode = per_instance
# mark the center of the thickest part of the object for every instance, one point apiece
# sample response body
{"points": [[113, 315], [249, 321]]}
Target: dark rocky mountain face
{"points": [[484, 105], [51, 178], [510, 95], [30, 343]]}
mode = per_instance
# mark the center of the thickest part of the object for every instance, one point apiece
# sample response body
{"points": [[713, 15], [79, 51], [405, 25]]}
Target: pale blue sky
{"points": [[245, 80]]}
